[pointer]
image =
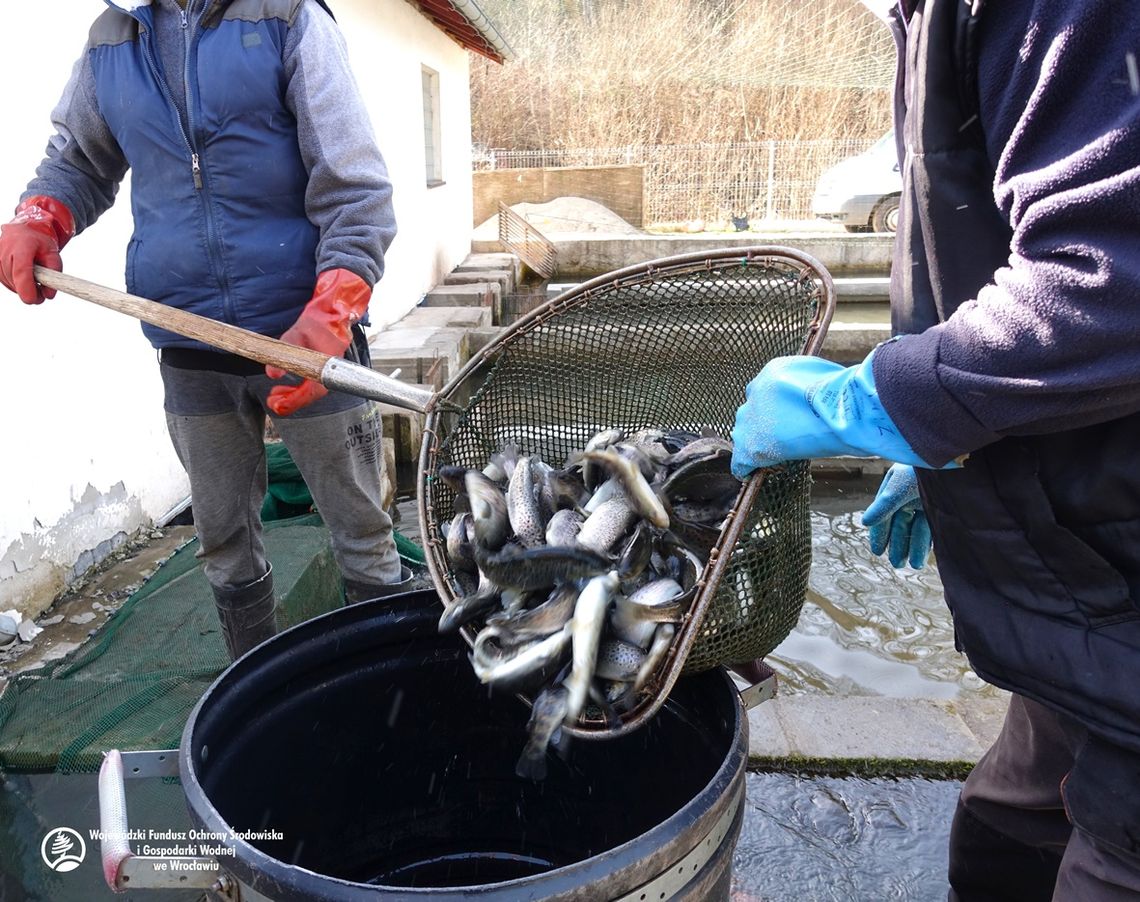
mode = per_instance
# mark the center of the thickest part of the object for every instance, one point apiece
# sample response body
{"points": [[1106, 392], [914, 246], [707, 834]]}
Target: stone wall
{"points": [[620, 188]]}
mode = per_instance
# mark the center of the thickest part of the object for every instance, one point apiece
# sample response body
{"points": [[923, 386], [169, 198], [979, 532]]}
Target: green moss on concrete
{"points": [[861, 767]]}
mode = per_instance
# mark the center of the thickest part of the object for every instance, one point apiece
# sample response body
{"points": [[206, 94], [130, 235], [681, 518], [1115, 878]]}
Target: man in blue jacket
{"points": [[1010, 398], [260, 200]]}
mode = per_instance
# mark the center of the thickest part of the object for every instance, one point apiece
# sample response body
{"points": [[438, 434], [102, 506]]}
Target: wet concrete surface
{"points": [[826, 839], [79, 613]]}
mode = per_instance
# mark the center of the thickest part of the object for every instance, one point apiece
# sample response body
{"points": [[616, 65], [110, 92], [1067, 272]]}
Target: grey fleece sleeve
{"points": [[84, 163], [1053, 342], [349, 196]]}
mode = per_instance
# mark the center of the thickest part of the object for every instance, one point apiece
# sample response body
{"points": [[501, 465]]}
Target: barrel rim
{"points": [[266, 874]]}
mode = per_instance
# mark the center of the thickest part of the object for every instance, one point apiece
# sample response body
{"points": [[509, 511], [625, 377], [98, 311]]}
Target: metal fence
{"points": [[753, 180]]}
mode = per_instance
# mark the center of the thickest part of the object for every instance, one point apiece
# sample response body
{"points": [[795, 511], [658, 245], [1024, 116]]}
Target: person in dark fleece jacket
{"points": [[1010, 400], [261, 200]]}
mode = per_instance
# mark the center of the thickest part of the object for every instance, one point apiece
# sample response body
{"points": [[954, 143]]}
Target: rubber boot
{"points": [[356, 592], [248, 614]]}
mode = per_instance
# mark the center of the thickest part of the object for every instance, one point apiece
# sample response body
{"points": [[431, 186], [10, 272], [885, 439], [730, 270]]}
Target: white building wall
{"points": [[84, 455], [390, 42]]}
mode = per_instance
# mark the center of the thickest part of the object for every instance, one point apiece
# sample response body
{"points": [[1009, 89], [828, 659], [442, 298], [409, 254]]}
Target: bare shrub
{"points": [[606, 73]]}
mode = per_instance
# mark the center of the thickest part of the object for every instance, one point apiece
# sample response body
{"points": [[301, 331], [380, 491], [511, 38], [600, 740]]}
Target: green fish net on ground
{"points": [[132, 686]]}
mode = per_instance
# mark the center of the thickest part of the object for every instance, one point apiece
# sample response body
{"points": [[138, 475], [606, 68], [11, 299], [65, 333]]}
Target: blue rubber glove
{"points": [[897, 522], [804, 407]]}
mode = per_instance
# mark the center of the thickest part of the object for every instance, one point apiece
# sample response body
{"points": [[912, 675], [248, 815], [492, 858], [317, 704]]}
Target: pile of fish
{"points": [[578, 578]]}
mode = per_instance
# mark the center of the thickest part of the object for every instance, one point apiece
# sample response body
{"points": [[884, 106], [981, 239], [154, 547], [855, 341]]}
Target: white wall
{"points": [[84, 454], [390, 42]]}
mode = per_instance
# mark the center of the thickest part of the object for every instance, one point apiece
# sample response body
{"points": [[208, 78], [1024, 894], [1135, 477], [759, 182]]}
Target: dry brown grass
{"points": [[606, 73]]}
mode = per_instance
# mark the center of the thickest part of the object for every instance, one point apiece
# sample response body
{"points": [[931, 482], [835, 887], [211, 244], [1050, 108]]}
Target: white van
{"points": [[862, 193]]}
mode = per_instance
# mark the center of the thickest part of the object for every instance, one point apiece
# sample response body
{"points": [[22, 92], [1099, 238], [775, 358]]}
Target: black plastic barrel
{"points": [[363, 740]]}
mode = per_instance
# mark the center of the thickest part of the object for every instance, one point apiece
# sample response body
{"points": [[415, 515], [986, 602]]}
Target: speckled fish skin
{"points": [[460, 535], [633, 483], [537, 568], [564, 527], [606, 526], [559, 490], [590, 590], [522, 506], [488, 509], [618, 660], [546, 717]]}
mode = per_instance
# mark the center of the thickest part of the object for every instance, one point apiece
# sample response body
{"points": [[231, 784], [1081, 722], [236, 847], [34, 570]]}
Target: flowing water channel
{"points": [[867, 628]]}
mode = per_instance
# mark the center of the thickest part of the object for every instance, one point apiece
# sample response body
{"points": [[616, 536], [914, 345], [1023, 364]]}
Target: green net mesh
{"points": [[668, 345], [133, 685]]}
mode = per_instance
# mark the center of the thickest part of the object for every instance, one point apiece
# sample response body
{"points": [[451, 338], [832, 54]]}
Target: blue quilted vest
{"points": [[1037, 537], [218, 200]]}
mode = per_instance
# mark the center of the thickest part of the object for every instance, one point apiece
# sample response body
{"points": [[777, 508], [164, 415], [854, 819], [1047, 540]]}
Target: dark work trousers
{"points": [[1050, 812], [216, 419]]}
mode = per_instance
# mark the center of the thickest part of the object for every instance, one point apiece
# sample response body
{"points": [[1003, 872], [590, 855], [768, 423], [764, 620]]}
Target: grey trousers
{"points": [[1049, 813], [217, 423]]}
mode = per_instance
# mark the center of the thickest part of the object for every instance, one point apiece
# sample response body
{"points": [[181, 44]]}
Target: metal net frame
{"points": [[667, 344]]}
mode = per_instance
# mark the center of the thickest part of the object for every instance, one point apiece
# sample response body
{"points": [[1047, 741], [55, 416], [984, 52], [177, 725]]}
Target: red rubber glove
{"points": [[339, 301], [41, 227]]}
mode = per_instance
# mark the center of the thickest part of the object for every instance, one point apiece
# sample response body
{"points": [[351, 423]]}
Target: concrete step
{"points": [[484, 294], [492, 259], [423, 355], [504, 278], [477, 339], [873, 734], [445, 317]]}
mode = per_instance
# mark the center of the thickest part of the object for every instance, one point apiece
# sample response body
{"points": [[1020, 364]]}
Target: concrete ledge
{"points": [[491, 257], [424, 355], [863, 289], [851, 342], [483, 294], [445, 318], [583, 257], [505, 279], [859, 735]]}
